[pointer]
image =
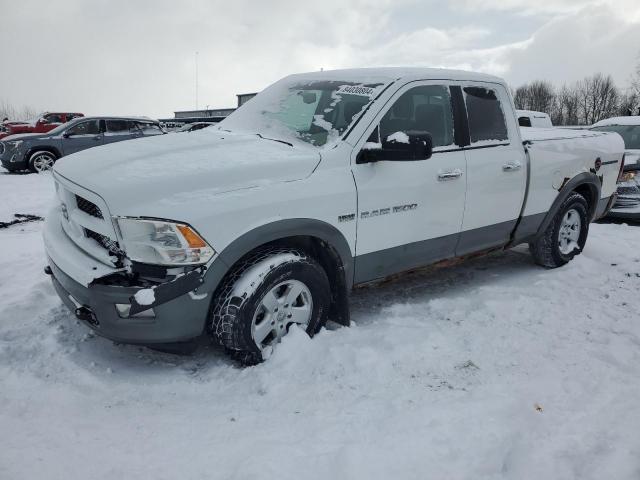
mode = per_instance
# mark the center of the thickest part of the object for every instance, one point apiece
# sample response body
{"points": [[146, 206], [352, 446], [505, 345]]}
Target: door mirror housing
{"points": [[67, 134], [398, 147]]}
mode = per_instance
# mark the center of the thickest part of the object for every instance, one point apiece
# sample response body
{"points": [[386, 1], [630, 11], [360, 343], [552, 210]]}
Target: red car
{"points": [[45, 122]]}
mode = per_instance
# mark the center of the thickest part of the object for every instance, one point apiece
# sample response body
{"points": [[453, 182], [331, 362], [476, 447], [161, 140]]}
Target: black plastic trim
{"points": [[460, 121]]}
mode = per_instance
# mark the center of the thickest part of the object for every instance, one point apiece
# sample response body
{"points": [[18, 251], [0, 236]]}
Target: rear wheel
{"points": [[41, 161], [565, 236], [264, 298]]}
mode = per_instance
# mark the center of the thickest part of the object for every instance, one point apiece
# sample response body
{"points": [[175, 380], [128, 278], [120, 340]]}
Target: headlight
{"points": [[14, 143], [628, 176], [163, 243]]}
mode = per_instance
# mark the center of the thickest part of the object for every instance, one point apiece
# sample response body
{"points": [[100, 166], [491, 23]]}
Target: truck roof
{"points": [[532, 113], [389, 74]]}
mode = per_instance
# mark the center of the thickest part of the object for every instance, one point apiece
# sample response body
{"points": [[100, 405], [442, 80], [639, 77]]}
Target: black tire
{"points": [[546, 249], [33, 159], [241, 295]]}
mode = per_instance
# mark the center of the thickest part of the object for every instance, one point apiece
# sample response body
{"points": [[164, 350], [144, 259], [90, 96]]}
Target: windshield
{"points": [[312, 111], [629, 133]]}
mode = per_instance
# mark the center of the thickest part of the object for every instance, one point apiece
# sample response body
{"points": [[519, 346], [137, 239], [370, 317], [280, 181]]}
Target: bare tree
{"points": [[7, 110], [538, 95], [634, 91], [565, 110], [598, 98], [629, 103]]}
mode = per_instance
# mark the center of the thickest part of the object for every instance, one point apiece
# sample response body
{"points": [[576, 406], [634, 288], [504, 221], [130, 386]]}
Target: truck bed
{"points": [[558, 155]]}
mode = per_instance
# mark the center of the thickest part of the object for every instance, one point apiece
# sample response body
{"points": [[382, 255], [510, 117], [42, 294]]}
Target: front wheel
{"points": [[565, 236], [41, 161], [264, 297]]}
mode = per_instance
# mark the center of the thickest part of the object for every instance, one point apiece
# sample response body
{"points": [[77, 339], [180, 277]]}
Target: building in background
{"points": [[207, 115]]}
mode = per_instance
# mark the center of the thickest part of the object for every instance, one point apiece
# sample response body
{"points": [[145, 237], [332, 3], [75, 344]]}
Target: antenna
{"points": [[196, 80]]}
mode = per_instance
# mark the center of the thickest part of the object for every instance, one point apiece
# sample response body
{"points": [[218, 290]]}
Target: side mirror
{"points": [[399, 147], [66, 134]]}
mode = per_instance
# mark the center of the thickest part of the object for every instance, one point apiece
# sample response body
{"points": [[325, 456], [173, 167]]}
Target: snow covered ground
{"points": [[494, 368]]}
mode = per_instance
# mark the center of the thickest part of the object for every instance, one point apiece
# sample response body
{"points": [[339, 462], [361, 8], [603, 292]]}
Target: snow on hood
{"points": [[171, 168]]}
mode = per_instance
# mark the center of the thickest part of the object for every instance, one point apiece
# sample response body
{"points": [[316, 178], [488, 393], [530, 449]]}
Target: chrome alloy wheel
{"points": [[569, 233], [42, 162], [287, 303]]}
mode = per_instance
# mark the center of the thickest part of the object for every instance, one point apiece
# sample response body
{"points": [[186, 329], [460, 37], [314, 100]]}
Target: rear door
{"points": [[496, 168], [409, 212], [82, 135]]}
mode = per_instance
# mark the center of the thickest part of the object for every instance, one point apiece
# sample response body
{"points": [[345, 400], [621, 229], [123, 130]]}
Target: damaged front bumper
{"points": [[104, 297]]}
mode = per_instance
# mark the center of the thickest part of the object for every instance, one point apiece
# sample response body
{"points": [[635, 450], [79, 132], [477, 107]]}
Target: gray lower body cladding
{"points": [[180, 319]]}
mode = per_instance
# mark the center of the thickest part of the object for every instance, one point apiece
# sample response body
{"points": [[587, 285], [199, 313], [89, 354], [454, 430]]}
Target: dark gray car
{"points": [[38, 152]]}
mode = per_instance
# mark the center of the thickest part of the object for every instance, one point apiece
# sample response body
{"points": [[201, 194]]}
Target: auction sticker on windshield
{"points": [[357, 90]]}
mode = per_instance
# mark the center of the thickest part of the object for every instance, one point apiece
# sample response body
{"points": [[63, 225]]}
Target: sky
{"points": [[115, 57]]}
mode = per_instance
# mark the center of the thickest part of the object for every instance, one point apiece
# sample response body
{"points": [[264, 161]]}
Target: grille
{"points": [[88, 207], [1, 148], [111, 245], [623, 190], [627, 202]]}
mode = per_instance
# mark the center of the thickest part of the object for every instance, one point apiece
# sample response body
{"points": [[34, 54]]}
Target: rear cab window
{"points": [[487, 124]]}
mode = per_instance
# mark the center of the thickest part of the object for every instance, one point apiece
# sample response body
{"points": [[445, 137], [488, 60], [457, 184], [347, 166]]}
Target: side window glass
{"points": [[117, 127], [149, 128], [85, 128], [524, 121], [486, 120], [53, 118], [420, 111]]}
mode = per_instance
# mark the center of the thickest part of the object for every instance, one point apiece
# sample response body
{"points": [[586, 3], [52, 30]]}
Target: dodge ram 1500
{"points": [[323, 181]]}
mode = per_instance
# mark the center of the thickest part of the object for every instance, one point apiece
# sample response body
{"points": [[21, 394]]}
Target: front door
{"points": [[82, 135], [409, 212]]}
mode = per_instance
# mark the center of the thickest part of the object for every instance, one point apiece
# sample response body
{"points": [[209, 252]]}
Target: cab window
{"points": [[419, 111], [117, 127], [524, 121], [149, 128], [486, 120], [90, 127]]}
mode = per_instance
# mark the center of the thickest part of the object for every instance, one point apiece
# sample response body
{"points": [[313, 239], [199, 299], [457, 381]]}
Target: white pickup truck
{"points": [[323, 181]]}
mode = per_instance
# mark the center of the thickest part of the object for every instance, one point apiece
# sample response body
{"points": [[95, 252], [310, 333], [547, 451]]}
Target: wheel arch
{"points": [[43, 148], [586, 184], [319, 239]]}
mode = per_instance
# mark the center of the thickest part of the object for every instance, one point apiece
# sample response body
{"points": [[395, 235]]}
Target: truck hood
{"points": [[141, 177]]}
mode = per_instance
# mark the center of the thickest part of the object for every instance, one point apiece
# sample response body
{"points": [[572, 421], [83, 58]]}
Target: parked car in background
{"points": [[247, 229], [628, 203], [41, 124], [38, 152], [192, 127], [530, 118]]}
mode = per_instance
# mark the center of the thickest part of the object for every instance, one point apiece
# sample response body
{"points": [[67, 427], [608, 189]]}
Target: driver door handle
{"points": [[511, 166], [443, 176]]}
